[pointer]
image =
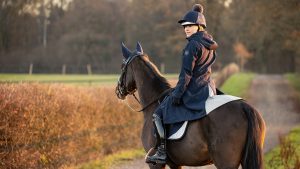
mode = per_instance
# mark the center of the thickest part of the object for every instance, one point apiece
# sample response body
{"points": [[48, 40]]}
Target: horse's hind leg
{"points": [[228, 138], [226, 154]]}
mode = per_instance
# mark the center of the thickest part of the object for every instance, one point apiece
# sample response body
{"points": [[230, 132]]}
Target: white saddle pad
{"points": [[212, 102]]}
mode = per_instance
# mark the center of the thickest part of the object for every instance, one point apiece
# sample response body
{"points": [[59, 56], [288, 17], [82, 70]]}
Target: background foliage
{"points": [[50, 33]]}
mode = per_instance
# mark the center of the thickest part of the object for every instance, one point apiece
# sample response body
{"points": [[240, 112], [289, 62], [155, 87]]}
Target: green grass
{"points": [[238, 84], [69, 79], [294, 80], [113, 159], [273, 157], [56, 78]]}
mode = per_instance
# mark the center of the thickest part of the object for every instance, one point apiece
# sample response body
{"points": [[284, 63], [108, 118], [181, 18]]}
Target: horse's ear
{"points": [[126, 52], [139, 47]]}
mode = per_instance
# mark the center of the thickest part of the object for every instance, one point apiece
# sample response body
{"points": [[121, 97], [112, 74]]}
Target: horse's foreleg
{"points": [[175, 167], [158, 166]]}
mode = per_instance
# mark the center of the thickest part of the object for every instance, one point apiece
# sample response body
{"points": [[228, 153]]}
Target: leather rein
{"points": [[121, 88]]}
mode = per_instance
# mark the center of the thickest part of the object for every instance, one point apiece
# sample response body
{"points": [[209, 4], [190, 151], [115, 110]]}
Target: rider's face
{"points": [[190, 30]]}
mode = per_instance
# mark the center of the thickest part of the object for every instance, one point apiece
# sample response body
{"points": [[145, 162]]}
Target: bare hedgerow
{"points": [[54, 125], [287, 156]]}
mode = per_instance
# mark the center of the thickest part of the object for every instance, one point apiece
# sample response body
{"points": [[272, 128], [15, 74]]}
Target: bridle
{"points": [[122, 91]]}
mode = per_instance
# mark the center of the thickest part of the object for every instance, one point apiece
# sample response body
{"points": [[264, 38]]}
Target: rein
{"points": [[149, 104], [121, 89]]}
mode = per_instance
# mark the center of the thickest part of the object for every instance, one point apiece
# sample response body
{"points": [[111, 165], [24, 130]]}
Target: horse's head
{"points": [[126, 83]]}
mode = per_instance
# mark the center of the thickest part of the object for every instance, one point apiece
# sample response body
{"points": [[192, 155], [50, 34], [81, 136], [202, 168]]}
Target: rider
{"points": [[187, 101]]}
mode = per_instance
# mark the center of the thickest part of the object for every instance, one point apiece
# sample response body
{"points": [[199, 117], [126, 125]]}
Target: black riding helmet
{"points": [[194, 17]]}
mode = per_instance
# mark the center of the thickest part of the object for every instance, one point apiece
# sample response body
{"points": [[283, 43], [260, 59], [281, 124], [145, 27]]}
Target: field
{"points": [[110, 79]]}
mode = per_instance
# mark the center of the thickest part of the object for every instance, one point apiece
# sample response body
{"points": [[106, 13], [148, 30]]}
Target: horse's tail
{"points": [[253, 150]]}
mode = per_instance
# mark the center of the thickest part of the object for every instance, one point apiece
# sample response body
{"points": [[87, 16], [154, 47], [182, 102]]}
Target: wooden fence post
{"points": [[162, 68], [64, 69], [30, 68], [89, 69]]}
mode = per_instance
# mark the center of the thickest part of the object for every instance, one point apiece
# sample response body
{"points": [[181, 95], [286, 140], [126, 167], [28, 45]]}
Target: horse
{"points": [[229, 136]]}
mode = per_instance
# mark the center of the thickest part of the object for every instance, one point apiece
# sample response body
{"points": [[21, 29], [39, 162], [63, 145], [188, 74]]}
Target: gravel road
{"points": [[274, 98]]}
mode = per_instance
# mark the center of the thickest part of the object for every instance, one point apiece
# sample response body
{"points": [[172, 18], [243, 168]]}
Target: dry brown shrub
{"points": [[50, 125], [287, 156], [225, 73]]}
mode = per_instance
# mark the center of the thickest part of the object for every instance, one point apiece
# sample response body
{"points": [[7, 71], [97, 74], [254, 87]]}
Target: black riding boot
{"points": [[160, 156]]}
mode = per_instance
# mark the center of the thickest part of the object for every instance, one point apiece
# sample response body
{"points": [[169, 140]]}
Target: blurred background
{"points": [[51, 35], [60, 61]]}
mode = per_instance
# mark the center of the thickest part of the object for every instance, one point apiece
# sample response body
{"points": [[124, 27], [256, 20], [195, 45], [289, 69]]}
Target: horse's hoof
{"points": [[151, 162], [155, 162]]}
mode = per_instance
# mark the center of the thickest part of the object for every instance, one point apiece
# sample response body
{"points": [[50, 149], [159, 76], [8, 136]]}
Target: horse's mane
{"points": [[157, 75]]}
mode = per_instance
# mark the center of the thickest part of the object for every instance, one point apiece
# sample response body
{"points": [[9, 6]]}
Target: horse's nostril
{"points": [[121, 97]]}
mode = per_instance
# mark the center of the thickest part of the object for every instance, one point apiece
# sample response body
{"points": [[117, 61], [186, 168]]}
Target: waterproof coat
{"points": [[193, 84]]}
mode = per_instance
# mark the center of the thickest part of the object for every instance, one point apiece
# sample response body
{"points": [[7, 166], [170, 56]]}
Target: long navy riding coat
{"points": [[193, 84]]}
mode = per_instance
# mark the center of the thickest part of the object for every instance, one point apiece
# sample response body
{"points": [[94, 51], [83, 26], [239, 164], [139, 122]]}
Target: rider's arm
{"points": [[189, 58]]}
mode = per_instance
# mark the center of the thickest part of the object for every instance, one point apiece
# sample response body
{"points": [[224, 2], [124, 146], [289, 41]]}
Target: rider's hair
{"points": [[200, 28]]}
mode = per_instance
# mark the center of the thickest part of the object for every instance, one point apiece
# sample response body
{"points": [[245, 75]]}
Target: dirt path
{"points": [[274, 98]]}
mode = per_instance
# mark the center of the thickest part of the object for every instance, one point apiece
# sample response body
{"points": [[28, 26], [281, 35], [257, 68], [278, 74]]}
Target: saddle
{"points": [[176, 131]]}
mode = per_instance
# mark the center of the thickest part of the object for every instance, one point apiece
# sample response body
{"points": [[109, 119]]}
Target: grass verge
{"points": [[286, 154], [294, 80], [238, 84], [113, 159]]}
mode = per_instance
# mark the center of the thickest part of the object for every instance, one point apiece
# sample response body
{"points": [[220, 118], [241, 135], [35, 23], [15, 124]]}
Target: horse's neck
{"points": [[150, 85]]}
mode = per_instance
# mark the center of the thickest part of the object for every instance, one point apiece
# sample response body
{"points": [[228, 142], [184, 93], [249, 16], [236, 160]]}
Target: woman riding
{"points": [[187, 101]]}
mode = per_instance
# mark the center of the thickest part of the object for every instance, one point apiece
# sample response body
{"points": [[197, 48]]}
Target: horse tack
{"points": [[121, 89]]}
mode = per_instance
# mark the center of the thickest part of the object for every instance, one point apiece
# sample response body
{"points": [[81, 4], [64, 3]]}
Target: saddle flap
{"points": [[177, 130]]}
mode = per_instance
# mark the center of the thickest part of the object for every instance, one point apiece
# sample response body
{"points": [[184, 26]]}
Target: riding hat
{"points": [[194, 17]]}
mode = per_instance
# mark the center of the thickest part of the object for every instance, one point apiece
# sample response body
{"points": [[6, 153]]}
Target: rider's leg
{"points": [[160, 156]]}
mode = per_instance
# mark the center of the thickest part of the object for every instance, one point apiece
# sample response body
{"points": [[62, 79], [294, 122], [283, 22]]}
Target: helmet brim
{"points": [[187, 23]]}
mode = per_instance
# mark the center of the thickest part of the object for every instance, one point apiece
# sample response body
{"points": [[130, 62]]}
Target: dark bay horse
{"points": [[231, 135]]}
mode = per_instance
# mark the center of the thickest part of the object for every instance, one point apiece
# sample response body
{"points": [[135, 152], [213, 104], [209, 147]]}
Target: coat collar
{"points": [[197, 35]]}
